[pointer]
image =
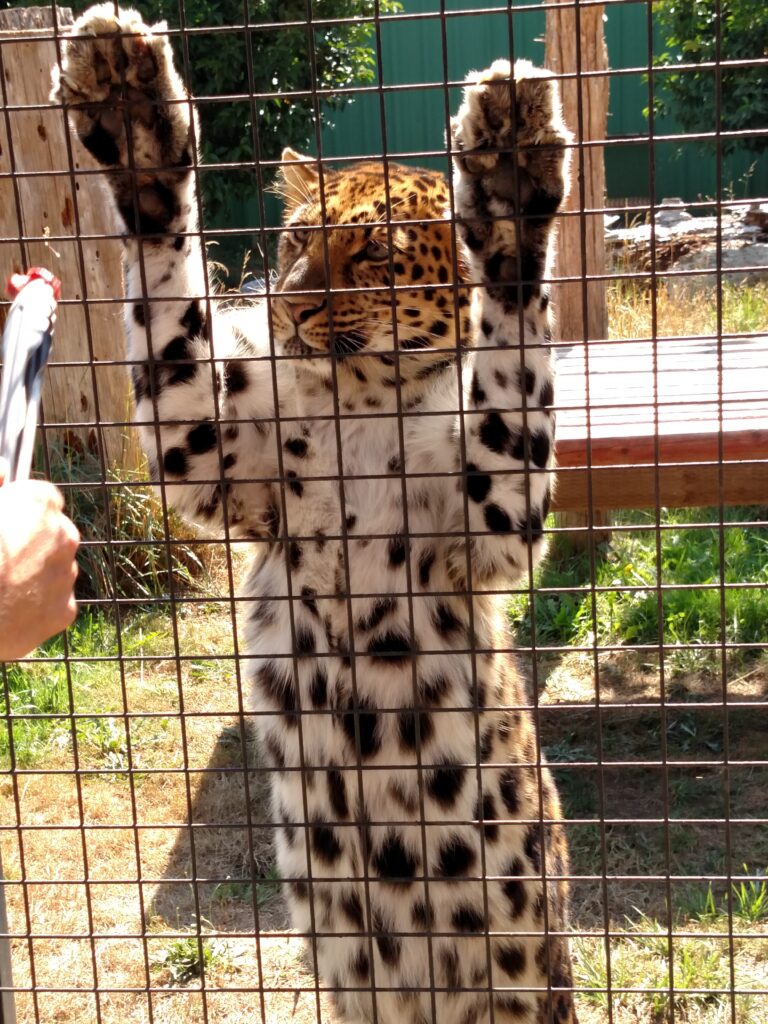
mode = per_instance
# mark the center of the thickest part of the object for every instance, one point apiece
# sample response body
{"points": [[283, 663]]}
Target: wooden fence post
{"points": [[573, 46], [33, 139]]}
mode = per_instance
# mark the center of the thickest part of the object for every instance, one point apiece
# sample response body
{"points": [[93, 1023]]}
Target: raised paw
{"points": [[510, 143], [129, 108]]}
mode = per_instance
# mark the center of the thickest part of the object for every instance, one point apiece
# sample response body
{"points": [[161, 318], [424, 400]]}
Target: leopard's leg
{"points": [[511, 171], [202, 381], [510, 178]]}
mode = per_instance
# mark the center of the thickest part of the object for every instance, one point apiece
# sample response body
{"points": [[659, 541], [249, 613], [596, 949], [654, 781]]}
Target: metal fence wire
{"points": [[342, 692]]}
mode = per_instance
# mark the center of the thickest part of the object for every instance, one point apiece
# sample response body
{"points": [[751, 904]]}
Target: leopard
{"points": [[379, 427]]}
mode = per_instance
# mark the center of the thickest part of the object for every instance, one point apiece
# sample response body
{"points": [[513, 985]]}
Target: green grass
{"points": [[236, 890], [632, 610], [63, 678], [690, 975], [186, 959]]}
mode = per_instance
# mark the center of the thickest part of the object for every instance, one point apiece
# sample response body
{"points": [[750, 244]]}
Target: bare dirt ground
{"points": [[106, 903]]}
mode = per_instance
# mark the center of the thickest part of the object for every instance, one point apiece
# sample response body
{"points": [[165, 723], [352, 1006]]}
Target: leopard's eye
{"points": [[375, 252], [299, 237]]}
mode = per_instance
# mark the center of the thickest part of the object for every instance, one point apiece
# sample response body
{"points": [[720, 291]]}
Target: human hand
{"points": [[38, 544]]}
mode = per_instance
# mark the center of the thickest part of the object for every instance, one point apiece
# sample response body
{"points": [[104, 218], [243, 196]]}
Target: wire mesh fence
{"points": [[291, 763]]}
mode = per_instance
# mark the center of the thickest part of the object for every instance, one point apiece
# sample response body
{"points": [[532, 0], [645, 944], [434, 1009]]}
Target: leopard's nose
{"points": [[301, 307]]}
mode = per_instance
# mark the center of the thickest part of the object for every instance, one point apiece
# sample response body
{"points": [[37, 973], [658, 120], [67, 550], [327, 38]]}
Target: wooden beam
{"points": [[574, 45], [69, 208]]}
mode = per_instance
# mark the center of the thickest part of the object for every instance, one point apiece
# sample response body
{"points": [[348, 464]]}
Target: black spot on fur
{"points": [[389, 946], [277, 684], [235, 377], [486, 745], [532, 846], [456, 857], [299, 888], [140, 380], [295, 555], [352, 906], [530, 380], [449, 961], [308, 595], [175, 462], [426, 561], [318, 688], [444, 783], [408, 721], [305, 641], [391, 647], [396, 550], [367, 721], [360, 965], [478, 484], [178, 243], [532, 527], [337, 794], [488, 814], [194, 320], [177, 351], [393, 861], [139, 314], [496, 519], [477, 393], [202, 438], [379, 610], [509, 789], [539, 448], [296, 446], [511, 958], [444, 620], [495, 434], [102, 145], [325, 844], [486, 327], [512, 1006], [466, 918], [547, 394], [294, 484], [515, 892], [422, 915]]}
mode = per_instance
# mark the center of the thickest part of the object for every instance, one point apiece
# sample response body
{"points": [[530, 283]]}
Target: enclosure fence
{"points": [[136, 832]]}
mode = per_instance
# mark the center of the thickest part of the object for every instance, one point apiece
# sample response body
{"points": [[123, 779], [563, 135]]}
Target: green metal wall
{"points": [[415, 119], [412, 53]]}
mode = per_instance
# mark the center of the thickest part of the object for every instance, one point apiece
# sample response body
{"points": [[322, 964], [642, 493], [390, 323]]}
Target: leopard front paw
{"points": [[510, 143], [124, 98]]}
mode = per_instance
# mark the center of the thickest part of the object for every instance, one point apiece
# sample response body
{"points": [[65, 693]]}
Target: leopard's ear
{"points": [[297, 179]]}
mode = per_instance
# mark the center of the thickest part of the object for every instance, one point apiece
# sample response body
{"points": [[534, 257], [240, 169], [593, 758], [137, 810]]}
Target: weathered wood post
{"points": [[575, 42], [41, 197]]}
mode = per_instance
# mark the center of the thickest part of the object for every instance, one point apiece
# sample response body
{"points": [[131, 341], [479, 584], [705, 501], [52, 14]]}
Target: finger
{"points": [[71, 611], [70, 533], [42, 491]]}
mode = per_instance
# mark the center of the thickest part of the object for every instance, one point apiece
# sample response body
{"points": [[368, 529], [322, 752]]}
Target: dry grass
{"points": [[631, 310]]}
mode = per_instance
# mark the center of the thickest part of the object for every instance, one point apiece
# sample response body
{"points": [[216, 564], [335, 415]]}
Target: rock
{"points": [[743, 263]]}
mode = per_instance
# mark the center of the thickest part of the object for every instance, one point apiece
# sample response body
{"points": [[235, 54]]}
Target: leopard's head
{"points": [[370, 246]]}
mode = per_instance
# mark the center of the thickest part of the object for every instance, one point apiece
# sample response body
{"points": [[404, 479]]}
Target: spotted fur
{"points": [[376, 639]]}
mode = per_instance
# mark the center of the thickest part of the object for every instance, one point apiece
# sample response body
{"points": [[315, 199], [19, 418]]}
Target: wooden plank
{"points": [[712, 406], [687, 486]]}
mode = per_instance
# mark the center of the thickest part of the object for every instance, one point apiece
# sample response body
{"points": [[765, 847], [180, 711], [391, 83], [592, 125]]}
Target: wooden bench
{"points": [[668, 423]]}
